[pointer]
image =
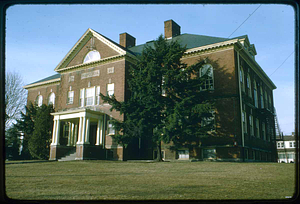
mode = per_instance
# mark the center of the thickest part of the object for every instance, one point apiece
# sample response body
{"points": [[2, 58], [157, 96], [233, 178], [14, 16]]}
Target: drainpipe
{"points": [[241, 105]]}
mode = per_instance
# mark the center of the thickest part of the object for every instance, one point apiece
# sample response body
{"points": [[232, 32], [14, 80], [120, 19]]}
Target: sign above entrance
{"points": [[90, 74]]}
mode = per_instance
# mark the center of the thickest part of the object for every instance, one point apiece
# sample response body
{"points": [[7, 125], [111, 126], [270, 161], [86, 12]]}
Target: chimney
{"points": [[126, 40], [172, 29]]}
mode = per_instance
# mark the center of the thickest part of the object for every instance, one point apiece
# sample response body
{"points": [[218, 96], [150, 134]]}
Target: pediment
{"points": [[90, 40]]}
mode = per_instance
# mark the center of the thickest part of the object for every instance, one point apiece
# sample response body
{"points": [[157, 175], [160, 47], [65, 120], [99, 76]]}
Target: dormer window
{"points": [[92, 56]]}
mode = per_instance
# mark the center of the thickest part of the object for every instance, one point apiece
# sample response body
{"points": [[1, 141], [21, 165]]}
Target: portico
{"points": [[81, 128]]}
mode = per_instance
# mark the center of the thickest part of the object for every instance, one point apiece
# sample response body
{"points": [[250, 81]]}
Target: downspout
{"points": [[241, 105]]}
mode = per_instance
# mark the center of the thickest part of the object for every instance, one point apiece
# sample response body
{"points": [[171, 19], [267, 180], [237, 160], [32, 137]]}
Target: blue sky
{"points": [[39, 36]]}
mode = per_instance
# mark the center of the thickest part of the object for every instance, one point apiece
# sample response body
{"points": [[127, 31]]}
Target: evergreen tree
{"points": [[39, 141], [12, 143], [165, 103], [26, 125]]}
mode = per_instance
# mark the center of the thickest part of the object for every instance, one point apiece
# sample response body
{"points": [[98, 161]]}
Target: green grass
{"points": [[99, 180]]}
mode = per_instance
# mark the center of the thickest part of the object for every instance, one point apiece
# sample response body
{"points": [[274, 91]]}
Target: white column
{"points": [[103, 132], [76, 134], [99, 132], [72, 133], [80, 131], [69, 135], [87, 133], [57, 133], [83, 130], [54, 132]]}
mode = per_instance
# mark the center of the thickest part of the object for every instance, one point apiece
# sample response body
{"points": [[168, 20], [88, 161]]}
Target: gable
{"points": [[106, 47], [104, 50]]}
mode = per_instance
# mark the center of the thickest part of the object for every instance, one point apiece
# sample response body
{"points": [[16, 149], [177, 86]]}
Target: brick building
{"points": [[243, 115]]}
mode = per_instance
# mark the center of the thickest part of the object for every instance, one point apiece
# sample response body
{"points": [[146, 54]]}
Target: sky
{"points": [[39, 36]]}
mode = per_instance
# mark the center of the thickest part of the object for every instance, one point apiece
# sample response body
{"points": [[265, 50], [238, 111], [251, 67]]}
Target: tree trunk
{"points": [[159, 156]]}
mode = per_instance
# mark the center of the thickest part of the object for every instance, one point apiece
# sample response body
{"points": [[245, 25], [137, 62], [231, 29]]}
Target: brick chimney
{"points": [[126, 40], [172, 29]]}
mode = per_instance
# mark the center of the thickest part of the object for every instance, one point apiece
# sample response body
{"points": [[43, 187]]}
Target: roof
{"points": [[188, 40], [287, 138], [55, 76]]}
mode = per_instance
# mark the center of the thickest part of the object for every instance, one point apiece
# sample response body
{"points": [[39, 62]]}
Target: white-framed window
{"points": [[51, 99], [97, 95], [183, 154], [39, 100], [249, 86], [206, 71], [294, 143], [71, 78], [91, 56], [255, 94], [110, 89], [70, 97], [89, 96], [244, 121], [261, 98], [291, 144], [242, 79], [251, 125], [278, 144], [257, 128], [282, 144], [82, 91], [110, 128], [264, 131]]}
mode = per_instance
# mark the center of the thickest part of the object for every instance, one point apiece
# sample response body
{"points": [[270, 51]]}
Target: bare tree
{"points": [[15, 97]]}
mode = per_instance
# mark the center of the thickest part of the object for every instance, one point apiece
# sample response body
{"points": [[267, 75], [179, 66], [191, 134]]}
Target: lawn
{"points": [[116, 180]]}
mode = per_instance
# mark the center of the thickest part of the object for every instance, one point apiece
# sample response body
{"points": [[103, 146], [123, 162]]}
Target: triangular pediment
{"points": [[106, 47]]}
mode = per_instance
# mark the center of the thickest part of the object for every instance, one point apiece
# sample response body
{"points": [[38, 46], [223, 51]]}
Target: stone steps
{"points": [[69, 157]]}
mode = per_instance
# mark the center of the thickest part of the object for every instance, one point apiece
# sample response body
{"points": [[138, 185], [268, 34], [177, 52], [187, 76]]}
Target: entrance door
{"points": [[93, 133]]}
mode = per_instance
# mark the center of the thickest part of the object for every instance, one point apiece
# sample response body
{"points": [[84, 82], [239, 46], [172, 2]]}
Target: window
{"points": [[206, 71], [291, 144], [278, 145], [261, 98], [81, 97], [282, 144], [244, 121], [208, 120], [264, 131], [183, 154], [39, 100], [266, 99], [98, 95], [110, 89], [249, 86], [251, 125], [257, 128], [255, 95], [294, 143], [91, 56], [110, 128], [70, 97], [242, 79], [89, 96], [51, 100]]}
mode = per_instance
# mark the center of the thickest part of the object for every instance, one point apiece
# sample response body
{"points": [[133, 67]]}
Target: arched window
{"points": [[249, 85], [91, 56], [255, 94], [51, 99], [206, 71], [39, 100], [242, 79]]}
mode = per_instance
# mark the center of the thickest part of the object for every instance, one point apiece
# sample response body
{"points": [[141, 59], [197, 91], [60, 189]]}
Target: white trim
{"points": [[41, 83]]}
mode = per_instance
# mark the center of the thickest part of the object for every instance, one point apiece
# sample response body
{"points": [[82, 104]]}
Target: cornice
{"points": [[92, 64], [35, 85], [255, 66]]}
